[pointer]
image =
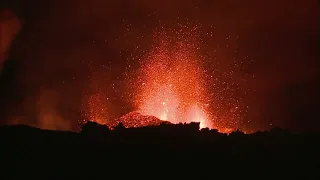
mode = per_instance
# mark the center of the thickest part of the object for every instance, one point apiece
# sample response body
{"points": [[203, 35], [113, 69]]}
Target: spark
{"points": [[174, 74], [179, 88], [174, 83]]}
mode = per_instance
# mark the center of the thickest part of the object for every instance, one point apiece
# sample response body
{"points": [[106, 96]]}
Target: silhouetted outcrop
{"points": [[95, 130]]}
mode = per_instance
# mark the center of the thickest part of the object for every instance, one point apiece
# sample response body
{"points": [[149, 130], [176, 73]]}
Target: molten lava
{"points": [[172, 84], [162, 104], [171, 81], [196, 114]]}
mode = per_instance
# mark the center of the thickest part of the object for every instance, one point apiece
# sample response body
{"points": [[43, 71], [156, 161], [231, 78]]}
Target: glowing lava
{"points": [[173, 84], [196, 114], [163, 104], [171, 81]]}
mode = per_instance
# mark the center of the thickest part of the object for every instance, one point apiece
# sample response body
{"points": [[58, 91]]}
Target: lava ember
{"points": [[173, 84], [171, 80]]}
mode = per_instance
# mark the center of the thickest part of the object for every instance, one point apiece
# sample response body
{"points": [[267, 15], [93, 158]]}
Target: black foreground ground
{"points": [[164, 151]]}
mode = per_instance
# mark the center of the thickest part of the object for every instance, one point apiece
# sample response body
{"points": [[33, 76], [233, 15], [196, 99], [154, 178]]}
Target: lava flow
{"points": [[170, 82]]}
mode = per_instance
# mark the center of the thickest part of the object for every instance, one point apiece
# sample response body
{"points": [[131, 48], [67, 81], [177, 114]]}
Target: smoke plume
{"points": [[10, 26]]}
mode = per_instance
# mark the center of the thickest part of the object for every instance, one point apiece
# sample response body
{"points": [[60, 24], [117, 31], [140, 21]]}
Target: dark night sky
{"points": [[63, 42]]}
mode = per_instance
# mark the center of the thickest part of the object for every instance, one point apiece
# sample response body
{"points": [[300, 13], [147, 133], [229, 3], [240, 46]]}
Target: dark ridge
{"points": [[163, 150]]}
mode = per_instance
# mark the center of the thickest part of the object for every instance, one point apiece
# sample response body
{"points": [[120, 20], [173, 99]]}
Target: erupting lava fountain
{"points": [[173, 85], [170, 81]]}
